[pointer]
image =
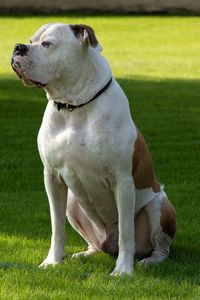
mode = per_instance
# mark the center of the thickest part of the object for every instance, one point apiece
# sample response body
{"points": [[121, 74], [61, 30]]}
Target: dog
{"points": [[98, 169]]}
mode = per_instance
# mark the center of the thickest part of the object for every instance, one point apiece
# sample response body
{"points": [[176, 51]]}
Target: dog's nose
{"points": [[20, 49]]}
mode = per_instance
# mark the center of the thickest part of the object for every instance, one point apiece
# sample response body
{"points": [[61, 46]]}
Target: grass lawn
{"points": [[157, 62]]}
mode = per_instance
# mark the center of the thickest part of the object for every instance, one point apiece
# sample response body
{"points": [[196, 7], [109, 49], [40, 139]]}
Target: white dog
{"points": [[97, 166]]}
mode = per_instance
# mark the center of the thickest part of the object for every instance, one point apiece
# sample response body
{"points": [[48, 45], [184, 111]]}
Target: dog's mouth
{"points": [[17, 67]]}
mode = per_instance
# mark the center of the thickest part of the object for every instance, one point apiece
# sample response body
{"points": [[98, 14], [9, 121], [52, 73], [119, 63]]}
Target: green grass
{"points": [[157, 62]]}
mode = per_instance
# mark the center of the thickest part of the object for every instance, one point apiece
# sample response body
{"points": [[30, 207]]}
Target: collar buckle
{"points": [[70, 107]]}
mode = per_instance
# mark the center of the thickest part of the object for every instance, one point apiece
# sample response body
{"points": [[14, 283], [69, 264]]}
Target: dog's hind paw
{"points": [[148, 261], [91, 251]]}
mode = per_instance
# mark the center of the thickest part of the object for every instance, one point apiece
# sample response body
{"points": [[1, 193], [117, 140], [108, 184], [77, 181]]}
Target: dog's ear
{"points": [[86, 35]]}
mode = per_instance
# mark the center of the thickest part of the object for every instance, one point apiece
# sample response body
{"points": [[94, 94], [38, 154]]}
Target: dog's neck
{"points": [[88, 76]]}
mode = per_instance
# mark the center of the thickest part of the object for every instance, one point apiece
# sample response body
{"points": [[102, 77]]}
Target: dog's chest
{"points": [[66, 144], [73, 142]]}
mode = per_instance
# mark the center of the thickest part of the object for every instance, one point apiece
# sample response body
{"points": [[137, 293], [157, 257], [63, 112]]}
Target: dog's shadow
{"points": [[14, 265]]}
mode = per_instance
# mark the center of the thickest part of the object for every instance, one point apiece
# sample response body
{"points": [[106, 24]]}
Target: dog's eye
{"points": [[46, 44]]}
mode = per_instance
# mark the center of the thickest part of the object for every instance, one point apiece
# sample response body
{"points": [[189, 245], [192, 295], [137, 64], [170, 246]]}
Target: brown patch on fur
{"points": [[168, 218], [142, 167], [78, 31]]}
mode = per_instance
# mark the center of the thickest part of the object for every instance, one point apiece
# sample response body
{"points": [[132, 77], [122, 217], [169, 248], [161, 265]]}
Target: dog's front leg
{"points": [[57, 196], [125, 199]]}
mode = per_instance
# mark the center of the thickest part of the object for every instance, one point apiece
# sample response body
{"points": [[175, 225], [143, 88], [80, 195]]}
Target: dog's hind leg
{"points": [[162, 218], [82, 224]]}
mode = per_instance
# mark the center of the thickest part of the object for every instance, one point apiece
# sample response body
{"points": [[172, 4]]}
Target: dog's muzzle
{"points": [[19, 50], [20, 62]]}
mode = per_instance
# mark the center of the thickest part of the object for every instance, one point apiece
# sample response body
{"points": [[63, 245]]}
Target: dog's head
{"points": [[54, 51]]}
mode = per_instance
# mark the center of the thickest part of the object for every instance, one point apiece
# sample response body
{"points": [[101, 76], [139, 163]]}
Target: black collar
{"points": [[71, 107]]}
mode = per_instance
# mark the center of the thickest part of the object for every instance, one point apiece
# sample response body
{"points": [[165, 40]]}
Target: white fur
{"points": [[90, 150]]}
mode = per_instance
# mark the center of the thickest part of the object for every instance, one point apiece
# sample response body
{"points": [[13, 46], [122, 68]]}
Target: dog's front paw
{"points": [[122, 270], [51, 261]]}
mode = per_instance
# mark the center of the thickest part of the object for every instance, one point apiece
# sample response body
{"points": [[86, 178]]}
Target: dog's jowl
{"points": [[98, 170]]}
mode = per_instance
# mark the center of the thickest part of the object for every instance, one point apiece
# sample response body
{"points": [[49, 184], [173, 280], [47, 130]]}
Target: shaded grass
{"points": [[165, 106]]}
